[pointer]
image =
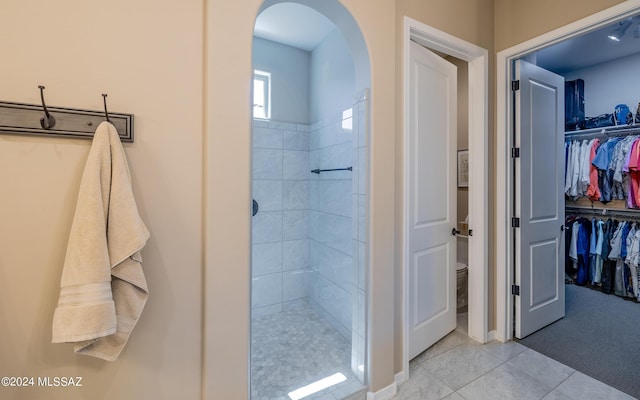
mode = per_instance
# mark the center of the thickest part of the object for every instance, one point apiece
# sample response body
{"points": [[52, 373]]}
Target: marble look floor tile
{"points": [[346, 389], [414, 367], [462, 322], [526, 375], [294, 348], [582, 387], [541, 367], [328, 396], [423, 386], [461, 365], [504, 351], [556, 395], [450, 341], [361, 395], [505, 383], [454, 396]]}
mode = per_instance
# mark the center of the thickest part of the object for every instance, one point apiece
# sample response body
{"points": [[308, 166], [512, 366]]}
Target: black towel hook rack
{"points": [[48, 121], [38, 119], [106, 113]]}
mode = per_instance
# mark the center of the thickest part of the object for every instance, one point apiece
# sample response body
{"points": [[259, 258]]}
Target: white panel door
{"points": [[432, 199], [539, 105]]}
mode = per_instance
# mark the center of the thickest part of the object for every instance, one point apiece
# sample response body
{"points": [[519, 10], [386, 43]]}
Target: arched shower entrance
{"points": [[310, 182]]}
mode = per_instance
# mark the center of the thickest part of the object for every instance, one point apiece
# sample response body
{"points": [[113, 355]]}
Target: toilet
{"points": [[461, 287]]}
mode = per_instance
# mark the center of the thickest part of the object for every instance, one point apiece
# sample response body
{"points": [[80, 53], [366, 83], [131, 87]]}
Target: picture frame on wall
{"points": [[463, 168]]}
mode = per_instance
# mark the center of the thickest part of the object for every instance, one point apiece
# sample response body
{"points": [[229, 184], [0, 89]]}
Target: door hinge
{"points": [[515, 290], [515, 152], [515, 85], [515, 222]]}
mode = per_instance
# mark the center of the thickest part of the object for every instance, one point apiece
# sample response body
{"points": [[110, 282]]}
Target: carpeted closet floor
{"points": [[599, 336]]}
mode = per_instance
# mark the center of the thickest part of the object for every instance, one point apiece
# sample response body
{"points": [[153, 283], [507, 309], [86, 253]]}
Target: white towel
{"points": [[103, 289]]}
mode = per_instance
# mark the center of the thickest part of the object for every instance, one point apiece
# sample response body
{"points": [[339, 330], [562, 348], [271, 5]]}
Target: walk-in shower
{"points": [[309, 234], [308, 261]]}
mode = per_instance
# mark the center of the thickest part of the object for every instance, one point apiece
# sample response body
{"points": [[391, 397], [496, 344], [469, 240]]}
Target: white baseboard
{"points": [[383, 394], [491, 336], [401, 377]]}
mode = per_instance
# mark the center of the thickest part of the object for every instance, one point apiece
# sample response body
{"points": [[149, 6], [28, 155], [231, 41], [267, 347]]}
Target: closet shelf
{"points": [[585, 202], [604, 212], [609, 131]]}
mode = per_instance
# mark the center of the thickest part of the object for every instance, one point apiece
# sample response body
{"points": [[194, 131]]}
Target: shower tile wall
{"points": [[334, 276], [360, 189], [309, 236], [280, 242]]}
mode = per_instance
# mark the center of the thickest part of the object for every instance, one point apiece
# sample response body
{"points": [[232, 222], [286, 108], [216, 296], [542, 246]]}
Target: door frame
{"points": [[478, 60], [504, 124]]}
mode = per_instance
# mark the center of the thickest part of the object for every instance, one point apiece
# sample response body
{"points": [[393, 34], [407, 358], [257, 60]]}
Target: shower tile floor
{"points": [[294, 348]]}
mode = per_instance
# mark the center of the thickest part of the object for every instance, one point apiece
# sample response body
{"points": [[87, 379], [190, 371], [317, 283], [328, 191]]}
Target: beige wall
{"points": [[520, 20], [148, 58], [191, 177]]}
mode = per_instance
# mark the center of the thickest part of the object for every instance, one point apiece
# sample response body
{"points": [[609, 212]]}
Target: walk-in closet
{"points": [[601, 204]]}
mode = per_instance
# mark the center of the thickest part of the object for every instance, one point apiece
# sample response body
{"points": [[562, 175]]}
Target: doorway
{"points": [[477, 59], [589, 299], [505, 320]]}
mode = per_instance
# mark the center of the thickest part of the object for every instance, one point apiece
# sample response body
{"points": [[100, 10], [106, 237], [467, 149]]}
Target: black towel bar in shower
{"points": [[317, 171]]}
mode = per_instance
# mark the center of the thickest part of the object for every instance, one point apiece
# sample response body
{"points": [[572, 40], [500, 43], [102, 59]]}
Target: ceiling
{"points": [[294, 25], [589, 49]]}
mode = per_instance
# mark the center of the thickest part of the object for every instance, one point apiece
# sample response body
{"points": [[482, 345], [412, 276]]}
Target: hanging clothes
{"points": [[582, 248], [597, 275], [601, 161], [585, 166], [604, 253], [620, 288], [568, 242], [593, 241], [608, 265], [631, 167], [631, 274], [620, 180], [573, 248], [577, 163], [603, 171], [593, 191]]}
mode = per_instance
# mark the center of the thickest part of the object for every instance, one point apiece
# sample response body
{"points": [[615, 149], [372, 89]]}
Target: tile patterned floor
{"points": [[458, 368], [294, 348]]}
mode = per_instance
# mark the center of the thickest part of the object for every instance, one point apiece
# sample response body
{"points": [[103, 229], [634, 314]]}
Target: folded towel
{"points": [[103, 289]]}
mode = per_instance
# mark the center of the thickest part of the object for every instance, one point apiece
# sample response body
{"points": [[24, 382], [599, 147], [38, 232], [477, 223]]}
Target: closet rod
{"points": [[610, 131], [604, 212], [24, 119]]}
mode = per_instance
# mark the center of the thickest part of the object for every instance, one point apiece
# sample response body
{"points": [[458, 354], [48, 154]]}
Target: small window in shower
{"points": [[347, 119], [261, 94]]}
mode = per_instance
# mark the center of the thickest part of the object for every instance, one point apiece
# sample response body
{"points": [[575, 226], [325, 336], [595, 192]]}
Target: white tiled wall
{"points": [[338, 213], [280, 230], [359, 244], [332, 284], [310, 234]]}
